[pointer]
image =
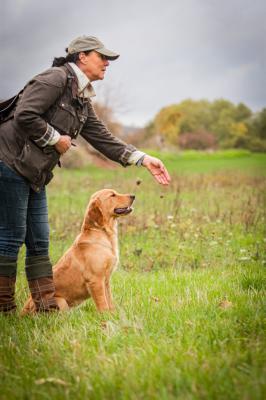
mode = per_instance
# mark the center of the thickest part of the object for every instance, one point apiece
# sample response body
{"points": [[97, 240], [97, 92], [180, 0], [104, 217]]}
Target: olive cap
{"points": [[85, 43]]}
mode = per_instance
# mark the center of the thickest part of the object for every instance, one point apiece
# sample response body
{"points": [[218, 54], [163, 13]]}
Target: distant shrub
{"points": [[257, 145], [200, 140]]}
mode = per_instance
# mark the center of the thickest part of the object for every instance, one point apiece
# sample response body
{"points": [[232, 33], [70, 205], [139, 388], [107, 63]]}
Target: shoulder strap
{"points": [[71, 79], [7, 105]]}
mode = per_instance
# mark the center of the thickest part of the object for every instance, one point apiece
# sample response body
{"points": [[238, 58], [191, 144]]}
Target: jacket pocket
{"points": [[36, 164], [63, 118]]}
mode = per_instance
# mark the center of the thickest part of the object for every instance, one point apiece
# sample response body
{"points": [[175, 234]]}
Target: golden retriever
{"points": [[85, 269]]}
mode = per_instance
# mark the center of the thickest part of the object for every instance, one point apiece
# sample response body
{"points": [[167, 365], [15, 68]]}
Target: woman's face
{"points": [[93, 65]]}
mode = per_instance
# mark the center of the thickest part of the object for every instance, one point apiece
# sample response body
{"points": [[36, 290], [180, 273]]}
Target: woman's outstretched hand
{"points": [[157, 169]]}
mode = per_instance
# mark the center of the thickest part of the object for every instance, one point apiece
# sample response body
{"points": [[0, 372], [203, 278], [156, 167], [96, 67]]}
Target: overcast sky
{"points": [[170, 49]]}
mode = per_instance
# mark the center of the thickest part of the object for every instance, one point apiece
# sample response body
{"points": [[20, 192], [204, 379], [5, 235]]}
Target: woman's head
{"points": [[90, 55], [93, 64]]}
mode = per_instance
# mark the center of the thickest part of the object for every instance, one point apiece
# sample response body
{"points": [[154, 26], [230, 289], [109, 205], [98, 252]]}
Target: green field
{"points": [[189, 292]]}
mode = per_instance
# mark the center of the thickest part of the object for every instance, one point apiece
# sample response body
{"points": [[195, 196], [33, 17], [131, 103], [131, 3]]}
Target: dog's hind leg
{"points": [[62, 303], [29, 307]]}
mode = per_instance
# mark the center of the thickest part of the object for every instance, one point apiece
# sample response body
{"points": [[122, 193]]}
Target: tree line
{"points": [[202, 124]]}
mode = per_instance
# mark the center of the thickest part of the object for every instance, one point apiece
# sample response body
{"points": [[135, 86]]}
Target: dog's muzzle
{"points": [[125, 210]]}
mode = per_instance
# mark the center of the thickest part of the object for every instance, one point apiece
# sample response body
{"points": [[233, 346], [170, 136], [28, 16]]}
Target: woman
{"points": [[53, 108]]}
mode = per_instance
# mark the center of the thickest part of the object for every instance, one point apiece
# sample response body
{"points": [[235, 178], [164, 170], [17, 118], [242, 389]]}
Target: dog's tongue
{"points": [[122, 210]]}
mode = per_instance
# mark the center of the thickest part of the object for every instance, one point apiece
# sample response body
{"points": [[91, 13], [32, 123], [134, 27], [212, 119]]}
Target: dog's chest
{"points": [[115, 258], [113, 240]]}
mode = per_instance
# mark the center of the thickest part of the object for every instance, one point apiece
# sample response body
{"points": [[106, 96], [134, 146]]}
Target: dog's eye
{"points": [[112, 195]]}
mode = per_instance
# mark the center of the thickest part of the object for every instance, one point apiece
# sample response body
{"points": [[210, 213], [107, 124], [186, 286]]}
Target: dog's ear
{"points": [[94, 215]]}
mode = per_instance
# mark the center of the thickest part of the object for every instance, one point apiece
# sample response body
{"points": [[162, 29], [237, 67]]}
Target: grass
{"points": [[190, 291]]}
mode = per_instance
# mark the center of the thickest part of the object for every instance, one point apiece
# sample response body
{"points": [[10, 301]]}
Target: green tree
{"points": [[242, 112], [257, 124], [237, 135], [233, 125], [196, 115], [167, 123], [222, 112]]}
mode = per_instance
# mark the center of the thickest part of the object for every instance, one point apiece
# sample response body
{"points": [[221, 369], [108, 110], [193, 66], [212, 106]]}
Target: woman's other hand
{"points": [[63, 144]]}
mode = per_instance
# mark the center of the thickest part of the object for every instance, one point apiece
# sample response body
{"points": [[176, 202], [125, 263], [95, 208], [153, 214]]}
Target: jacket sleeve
{"points": [[96, 133], [38, 96]]}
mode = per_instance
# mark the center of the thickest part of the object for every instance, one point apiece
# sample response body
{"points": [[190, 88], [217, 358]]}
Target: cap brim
{"points": [[110, 55]]}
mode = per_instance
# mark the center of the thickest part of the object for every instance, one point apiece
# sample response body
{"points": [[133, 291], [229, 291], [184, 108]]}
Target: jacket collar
{"points": [[85, 88]]}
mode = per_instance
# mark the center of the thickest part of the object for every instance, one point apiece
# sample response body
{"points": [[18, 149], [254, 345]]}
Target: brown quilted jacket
{"points": [[51, 97]]}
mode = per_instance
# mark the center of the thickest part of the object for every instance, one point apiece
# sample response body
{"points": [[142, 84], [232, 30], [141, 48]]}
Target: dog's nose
{"points": [[132, 196]]}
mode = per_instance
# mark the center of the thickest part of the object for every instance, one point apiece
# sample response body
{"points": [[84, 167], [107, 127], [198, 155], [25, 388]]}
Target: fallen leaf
{"points": [[149, 265], [109, 327], [51, 380], [137, 252], [225, 304]]}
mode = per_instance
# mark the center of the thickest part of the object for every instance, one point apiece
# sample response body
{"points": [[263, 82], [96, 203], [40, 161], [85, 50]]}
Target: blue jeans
{"points": [[23, 216]]}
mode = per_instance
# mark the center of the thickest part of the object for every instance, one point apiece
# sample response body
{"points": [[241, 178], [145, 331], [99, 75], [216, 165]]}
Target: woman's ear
{"points": [[82, 58]]}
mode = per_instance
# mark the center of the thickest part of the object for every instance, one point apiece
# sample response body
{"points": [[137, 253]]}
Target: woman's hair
{"points": [[59, 61]]}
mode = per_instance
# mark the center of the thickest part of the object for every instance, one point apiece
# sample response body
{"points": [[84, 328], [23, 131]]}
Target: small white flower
{"points": [[170, 217]]}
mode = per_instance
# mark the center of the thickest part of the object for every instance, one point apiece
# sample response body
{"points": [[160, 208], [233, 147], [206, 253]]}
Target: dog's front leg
{"points": [[108, 294], [96, 288]]}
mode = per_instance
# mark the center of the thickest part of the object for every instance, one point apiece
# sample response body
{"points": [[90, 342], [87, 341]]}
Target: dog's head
{"points": [[106, 205]]}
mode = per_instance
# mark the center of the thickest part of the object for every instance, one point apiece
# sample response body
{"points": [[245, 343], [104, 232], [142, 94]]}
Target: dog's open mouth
{"points": [[123, 211]]}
